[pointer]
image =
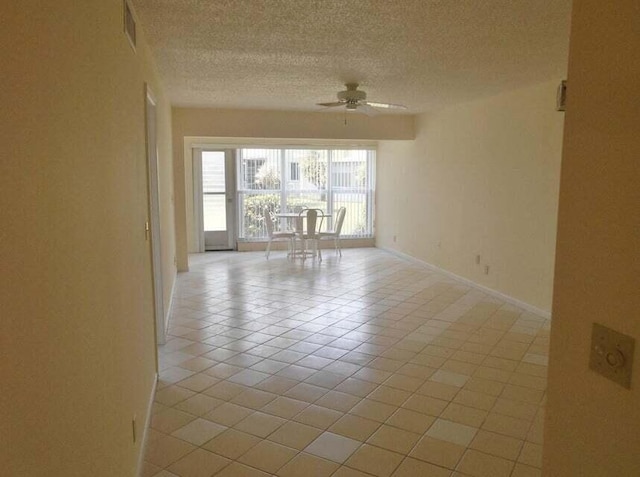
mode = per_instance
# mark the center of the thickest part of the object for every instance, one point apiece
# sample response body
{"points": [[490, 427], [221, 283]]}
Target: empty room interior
{"points": [[466, 307]]}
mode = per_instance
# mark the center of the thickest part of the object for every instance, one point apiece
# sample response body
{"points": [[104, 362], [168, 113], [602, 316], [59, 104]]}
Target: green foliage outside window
{"points": [[268, 177], [256, 206], [315, 170]]}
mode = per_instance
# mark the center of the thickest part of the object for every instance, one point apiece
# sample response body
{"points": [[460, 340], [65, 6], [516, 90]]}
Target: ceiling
{"points": [[291, 54]]}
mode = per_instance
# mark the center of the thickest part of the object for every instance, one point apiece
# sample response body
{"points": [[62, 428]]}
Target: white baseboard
{"points": [[466, 281], [147, 425]]}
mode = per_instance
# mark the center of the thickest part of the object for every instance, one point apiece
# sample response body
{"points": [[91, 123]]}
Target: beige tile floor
{"points": [[367, 365]]}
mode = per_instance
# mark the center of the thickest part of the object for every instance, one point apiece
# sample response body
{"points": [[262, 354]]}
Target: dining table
{"points": [[288, 217]]}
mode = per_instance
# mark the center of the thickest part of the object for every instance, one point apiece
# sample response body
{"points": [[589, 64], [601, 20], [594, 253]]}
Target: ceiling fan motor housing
{"points": [[351, 94]]}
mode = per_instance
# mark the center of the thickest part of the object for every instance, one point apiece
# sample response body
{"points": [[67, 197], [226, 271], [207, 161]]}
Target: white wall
{"points": [[592, 426], [77, 343], [481, 178]]}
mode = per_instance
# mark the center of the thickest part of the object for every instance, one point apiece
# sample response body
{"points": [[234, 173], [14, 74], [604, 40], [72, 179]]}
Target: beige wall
{"points": [[212, 123], [481, 178], [77, 334], [593, 426]]}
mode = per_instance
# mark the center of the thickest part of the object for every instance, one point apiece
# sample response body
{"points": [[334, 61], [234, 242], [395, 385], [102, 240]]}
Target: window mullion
{"points": [[330, 156], [369, 184], [283, 181]]}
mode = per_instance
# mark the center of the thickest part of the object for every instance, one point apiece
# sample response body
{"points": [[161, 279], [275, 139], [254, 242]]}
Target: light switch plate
{"points": [[612, 354]]}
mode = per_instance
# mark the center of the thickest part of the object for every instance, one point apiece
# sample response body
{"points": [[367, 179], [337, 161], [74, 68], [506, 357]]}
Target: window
{"points": [[320, 178], [250, 168]]}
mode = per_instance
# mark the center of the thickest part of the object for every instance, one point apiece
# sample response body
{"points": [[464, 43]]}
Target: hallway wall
{"points": [[592, 424], [77, 330]]}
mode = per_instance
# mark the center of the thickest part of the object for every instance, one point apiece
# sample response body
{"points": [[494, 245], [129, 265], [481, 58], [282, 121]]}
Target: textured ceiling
{"points": [[291, 54]]}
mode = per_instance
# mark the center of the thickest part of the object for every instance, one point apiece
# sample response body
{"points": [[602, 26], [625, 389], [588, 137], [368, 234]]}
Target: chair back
{"points": [[298, 224], [313, 224], [342, 211], [312, 221], [268, 221]]}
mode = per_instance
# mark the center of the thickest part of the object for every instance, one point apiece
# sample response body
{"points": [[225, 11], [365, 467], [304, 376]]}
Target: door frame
{"points": [[151, 139], [230, 186]]}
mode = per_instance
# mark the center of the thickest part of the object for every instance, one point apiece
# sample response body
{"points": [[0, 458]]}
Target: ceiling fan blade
{"points": [[367, 109], [385, 105], [331, 105]]}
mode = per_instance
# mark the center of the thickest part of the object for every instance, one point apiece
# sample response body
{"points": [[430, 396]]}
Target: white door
{"points": [[215, 191]]}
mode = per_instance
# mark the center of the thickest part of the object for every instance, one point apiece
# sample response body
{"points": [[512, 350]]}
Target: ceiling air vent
{"points": [[129, 25]]}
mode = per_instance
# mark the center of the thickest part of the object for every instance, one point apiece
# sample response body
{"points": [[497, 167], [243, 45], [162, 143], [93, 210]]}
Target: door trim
{"points": [[151, 128], [198, 213]]}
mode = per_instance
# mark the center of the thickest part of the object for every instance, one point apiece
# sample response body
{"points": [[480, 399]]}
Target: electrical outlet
{"points": [[478, 259], [611, 354], [486, 269]]}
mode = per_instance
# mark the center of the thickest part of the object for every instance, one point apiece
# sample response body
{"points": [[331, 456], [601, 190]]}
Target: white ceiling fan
{"points": [[354, 99]]}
